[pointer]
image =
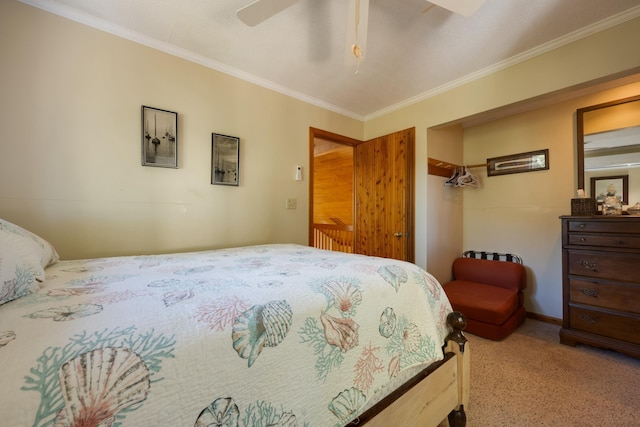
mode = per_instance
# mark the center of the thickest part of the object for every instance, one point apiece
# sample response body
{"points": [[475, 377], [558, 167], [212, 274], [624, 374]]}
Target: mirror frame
{"points": [[580, 131]]}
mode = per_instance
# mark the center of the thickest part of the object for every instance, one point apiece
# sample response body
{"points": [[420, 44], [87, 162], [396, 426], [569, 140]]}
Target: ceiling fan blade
{"points": [[261, 10], [357, 23], [461, 7]]}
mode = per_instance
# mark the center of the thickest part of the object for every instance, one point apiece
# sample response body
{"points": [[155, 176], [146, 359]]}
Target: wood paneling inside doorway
{"points": [[332, 183]]}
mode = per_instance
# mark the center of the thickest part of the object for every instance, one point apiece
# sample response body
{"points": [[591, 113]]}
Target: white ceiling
{"points": [[410, 55]]}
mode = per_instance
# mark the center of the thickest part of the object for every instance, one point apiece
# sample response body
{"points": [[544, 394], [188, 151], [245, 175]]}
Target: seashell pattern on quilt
{"points": [[100, 383], [270, 335], [261, 326]]}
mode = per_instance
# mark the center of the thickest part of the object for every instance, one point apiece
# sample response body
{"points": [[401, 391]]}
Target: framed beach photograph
{"points": [[518, 163], [159, 138], [605, 186], [225, 159]]}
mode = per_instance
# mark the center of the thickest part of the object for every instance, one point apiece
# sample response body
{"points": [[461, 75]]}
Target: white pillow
{"points": [[23, 258]]}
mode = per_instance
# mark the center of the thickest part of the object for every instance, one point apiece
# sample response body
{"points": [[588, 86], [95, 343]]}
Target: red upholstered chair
{"points": [[489, 293]]}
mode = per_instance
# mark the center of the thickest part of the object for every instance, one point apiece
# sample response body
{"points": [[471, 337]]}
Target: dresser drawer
{"points": [[605, 295], [621, 267], [614, 225], [619, 326], [604, 239], [601, 282]]}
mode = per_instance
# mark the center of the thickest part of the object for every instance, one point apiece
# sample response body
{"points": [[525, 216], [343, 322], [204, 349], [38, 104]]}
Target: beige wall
{"points": [[519, 213], [444, 203], [70, 155]]}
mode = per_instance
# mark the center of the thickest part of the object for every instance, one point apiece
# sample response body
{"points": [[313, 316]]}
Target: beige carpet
{"points": [[530, 379]]}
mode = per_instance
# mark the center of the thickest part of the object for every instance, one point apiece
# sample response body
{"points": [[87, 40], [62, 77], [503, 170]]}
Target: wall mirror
{"points": [[608, 146]]}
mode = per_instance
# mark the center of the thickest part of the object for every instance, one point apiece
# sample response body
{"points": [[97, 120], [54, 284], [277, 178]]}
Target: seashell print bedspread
{"points": [[270, 335]]}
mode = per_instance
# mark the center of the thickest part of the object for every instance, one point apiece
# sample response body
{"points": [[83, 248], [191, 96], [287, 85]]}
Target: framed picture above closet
{"points": [[517, 163]]}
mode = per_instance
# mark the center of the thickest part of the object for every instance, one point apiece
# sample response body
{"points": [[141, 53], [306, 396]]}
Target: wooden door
{"points": [[384, 196]]}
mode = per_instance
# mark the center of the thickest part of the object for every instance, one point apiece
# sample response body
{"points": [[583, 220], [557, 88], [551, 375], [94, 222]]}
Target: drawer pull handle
{"points": [[589, 319], [588, 264], [590, 292], [583, 239]]}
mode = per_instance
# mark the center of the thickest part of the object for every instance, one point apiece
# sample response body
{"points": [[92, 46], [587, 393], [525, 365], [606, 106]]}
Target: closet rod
{"points": [[479, 165]]}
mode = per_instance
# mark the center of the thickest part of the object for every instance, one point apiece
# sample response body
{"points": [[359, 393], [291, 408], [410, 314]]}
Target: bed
{"points": [[267, 335]]}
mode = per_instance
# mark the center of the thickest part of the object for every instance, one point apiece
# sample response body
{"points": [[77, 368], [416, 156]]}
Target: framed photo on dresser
{"points": [[605, 186]]}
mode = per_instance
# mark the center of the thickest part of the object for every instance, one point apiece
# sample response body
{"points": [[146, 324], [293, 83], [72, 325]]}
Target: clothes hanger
{"points": [[467, 179], [453, 179]]}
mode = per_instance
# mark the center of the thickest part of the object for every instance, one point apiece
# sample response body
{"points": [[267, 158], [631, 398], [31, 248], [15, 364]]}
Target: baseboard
{"points": [[543, 318]]}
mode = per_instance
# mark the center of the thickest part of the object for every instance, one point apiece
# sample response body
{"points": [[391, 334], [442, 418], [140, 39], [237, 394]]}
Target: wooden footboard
{"points": [[438, 392], [457, 344]]}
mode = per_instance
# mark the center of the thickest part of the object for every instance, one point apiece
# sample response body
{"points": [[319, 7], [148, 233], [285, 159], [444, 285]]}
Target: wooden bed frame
{"points": [[439, 391]]}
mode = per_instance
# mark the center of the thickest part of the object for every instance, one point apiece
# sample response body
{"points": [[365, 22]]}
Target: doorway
{"points": [[332, 210], [361, 194]]}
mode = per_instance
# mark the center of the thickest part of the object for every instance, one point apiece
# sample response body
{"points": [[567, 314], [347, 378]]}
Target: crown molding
{"points": [[104, 25], [524, 56], [119, 31]]}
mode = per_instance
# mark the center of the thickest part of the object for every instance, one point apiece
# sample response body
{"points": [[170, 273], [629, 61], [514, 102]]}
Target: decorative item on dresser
{"points": [[601, 282]]}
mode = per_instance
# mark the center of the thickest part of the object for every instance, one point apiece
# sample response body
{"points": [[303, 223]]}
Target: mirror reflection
{"points": [[613, 149], [609, 145]]}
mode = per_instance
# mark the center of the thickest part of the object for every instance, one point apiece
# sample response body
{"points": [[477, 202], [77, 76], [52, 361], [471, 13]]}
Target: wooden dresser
{"points": [[601, 282]]}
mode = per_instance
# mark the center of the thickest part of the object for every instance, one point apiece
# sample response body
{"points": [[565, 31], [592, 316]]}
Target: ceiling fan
{"points": [[358, 14]]}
